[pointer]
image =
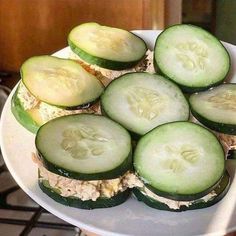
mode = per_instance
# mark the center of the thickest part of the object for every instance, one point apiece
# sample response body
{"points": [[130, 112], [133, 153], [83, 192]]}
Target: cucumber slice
{"points": [[180, 160], [142, 101], [89, 204], [60, 82], [220, 190], [28, 119], [107, 47], [84, 146], [216, 108], [191, 57]]}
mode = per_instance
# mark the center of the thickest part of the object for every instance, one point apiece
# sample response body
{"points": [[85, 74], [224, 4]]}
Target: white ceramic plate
{"points": [[130, 218]]}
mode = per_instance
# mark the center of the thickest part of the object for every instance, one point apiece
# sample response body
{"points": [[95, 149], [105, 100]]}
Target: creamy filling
{"points": [[172, 204], [228, 141], [145, 65], [93, 189], [49, 112], [27, 100], [87, 190]]}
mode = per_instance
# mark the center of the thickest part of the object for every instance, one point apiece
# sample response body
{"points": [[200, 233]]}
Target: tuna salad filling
{"points": [[88, 190], [94, 189], [145, 65], [48, 112], [172, 204], [228, 141]]}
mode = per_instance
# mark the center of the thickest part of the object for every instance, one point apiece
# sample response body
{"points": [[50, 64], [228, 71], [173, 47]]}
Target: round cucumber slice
{"points": [[84, 146], [142, 101], [220, 191], [180, 160], [89, 204], [107, 47], [60, 82], [191, 57], [216, 108]]}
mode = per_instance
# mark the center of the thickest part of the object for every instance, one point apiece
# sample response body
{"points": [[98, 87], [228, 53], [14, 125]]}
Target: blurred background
{"points": [[36, 27]]}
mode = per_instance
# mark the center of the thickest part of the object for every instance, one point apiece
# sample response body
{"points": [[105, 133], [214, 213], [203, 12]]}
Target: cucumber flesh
{"points": [[107, 47], [216, 108], [191, 57], [60, 82], [180, 160], [89, 204], [142, 101], [85, 147], [161, 203]]}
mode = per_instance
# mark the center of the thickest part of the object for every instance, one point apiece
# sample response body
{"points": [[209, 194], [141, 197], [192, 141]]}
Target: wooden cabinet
{"points": [[37, 27]]}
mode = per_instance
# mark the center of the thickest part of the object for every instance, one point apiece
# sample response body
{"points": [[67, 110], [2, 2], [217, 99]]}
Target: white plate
{"points": [[130, 218]]}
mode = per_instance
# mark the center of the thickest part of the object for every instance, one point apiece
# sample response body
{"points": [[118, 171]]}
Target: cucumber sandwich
{"points": [[85, 161], [108, 50], [216, 109], [191, 57], [52, 87], [182, 167]]}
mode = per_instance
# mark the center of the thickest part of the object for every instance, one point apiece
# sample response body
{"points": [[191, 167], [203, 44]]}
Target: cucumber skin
{"points": [[89, 204], [197, 205], [126, 165], [21, 115], [104, 63], [219, 127], [184, 88]]}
